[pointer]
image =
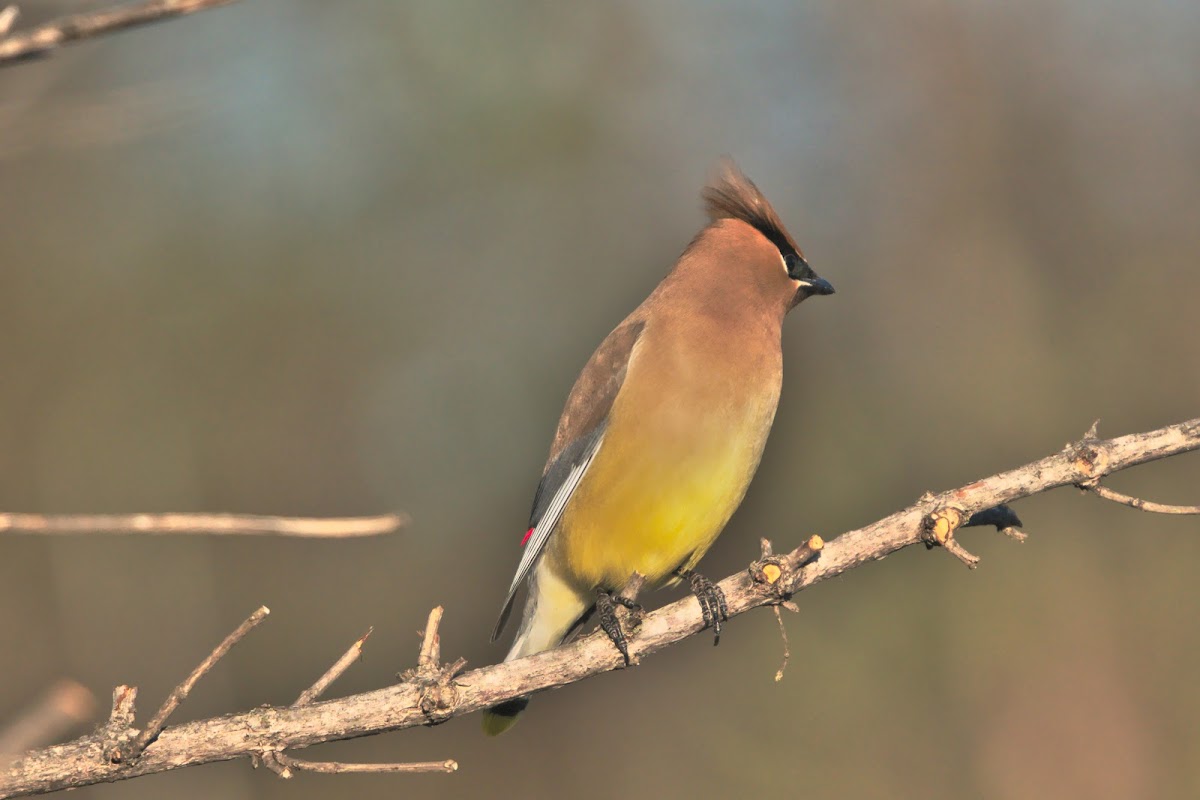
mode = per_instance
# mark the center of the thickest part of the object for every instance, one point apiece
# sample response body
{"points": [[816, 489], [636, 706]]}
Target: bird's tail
{"points": [[498, 719], [551, 611]]}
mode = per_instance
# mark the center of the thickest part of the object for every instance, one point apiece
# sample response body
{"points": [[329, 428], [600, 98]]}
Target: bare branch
{"points": [[64, 705], [180, 692], [1135, 502], [214, 524], [44, 38], [418, 700], [284, 765], [313, 692]]}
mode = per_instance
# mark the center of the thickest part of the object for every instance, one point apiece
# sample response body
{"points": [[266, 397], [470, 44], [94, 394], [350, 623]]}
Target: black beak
{"points": [[817, 285]]}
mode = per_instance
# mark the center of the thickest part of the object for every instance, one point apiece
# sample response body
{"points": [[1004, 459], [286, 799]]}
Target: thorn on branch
{"points": [[181, 692]]}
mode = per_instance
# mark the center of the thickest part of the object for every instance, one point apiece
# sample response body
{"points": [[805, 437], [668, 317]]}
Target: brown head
{"points": [[745, 255]]}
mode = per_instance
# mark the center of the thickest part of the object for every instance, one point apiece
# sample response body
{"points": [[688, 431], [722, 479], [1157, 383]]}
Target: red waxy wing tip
{"points": [[525, 538]]}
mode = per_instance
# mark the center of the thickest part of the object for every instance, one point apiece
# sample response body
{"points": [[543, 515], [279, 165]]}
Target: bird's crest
{"points": [[731, 195]]}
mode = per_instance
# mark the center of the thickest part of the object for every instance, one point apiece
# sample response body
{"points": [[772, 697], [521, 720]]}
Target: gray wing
{"points": [[553, 507], [576, 443]]}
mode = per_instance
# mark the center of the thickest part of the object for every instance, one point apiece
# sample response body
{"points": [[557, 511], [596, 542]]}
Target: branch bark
{"points": [[45, 38], [432, 694]]}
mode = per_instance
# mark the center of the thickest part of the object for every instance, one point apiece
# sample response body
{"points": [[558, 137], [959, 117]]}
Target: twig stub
{"points": [[431, 643], [119, 729], [937, 530], [770, 570]]}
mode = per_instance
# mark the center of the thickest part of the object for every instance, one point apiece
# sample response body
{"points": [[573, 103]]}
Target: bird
{"points": [[662, 431]]}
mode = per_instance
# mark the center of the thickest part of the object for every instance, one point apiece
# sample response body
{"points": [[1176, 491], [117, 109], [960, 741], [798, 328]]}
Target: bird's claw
{"points": [[712, 602], [610, 622]]}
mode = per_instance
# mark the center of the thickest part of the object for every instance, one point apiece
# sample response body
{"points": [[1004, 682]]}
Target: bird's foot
{"points": [[711, 599], [607, 604]]}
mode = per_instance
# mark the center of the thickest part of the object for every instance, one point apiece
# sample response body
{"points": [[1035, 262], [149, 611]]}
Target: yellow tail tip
{"points": [[499, 718], [495, 724]]}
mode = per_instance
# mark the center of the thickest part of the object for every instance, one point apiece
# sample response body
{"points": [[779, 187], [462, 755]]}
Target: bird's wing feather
{"points": [[576, 443]]}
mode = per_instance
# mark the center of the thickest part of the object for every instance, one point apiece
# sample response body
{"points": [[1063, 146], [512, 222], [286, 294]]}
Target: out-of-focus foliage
{"points": [[333, 258]]}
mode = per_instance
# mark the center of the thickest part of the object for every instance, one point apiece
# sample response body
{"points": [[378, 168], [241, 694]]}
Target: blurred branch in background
{"points": [[433, 693], [7, 17], [76, 27], [65, 705], [212, 524]]}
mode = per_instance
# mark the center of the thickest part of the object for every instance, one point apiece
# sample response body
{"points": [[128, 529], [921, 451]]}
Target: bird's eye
{"points": [[794, 264]]}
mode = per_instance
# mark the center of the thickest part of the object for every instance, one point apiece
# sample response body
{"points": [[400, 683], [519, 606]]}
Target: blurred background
{"points": [[342, 258]]}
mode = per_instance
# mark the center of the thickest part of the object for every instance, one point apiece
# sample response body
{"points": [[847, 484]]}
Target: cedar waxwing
{"points": [[663, 430]]}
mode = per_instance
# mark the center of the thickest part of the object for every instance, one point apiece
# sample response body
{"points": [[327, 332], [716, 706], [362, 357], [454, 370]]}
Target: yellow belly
{"points": [[656, 498]]}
